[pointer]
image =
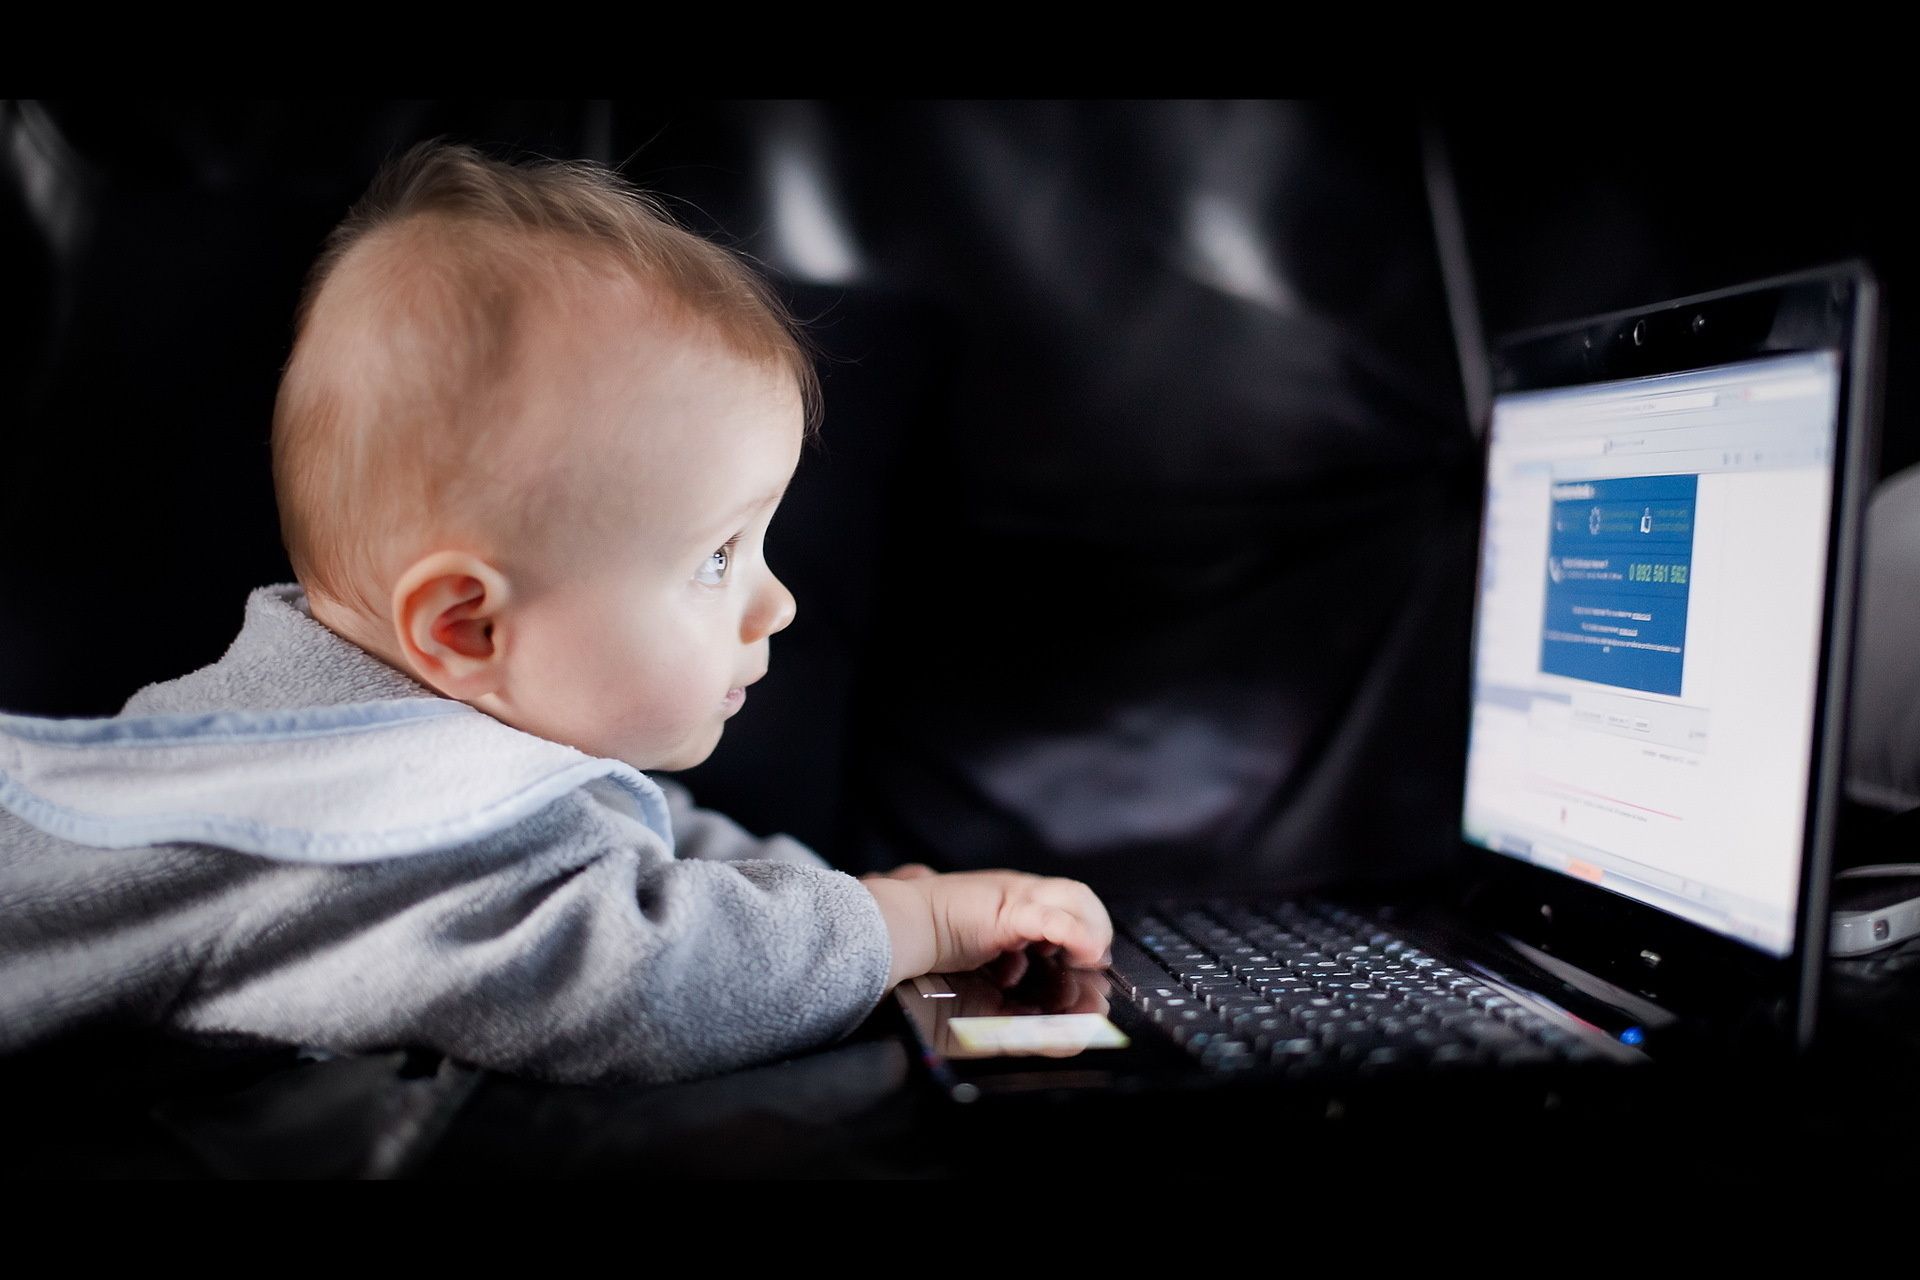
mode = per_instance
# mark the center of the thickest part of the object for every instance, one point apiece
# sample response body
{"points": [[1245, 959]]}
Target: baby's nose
{"points": [[785, 606], [773, 611]]}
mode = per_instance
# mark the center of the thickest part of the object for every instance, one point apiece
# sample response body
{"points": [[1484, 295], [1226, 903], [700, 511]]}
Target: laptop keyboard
{"points": [[1307, 987]]}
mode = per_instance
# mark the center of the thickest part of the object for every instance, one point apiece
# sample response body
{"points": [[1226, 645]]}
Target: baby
{"points": [[526, 451]]}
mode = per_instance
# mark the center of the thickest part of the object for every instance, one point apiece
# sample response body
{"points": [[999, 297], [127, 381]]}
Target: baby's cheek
{"points": [[648, 707], [637, 685], [587, 688]]}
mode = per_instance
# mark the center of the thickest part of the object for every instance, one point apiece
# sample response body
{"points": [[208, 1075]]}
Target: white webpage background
{"points": [[1715, 812]]}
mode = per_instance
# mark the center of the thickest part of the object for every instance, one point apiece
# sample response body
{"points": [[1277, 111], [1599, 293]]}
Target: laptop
{"points": [[1662, 633]]}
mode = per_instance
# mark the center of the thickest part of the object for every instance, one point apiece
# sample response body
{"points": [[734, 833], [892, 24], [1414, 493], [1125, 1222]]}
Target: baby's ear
{"points": [[444, 610]]}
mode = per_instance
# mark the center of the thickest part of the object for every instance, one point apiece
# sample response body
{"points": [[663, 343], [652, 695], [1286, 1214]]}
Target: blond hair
{"points": [[390, 408]]}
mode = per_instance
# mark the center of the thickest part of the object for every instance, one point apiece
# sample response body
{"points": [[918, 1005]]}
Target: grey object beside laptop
{"points": [[1874, 907]]}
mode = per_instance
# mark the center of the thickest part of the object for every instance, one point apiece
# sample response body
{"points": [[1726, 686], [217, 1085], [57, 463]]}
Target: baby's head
{"points": [[527, 447]]}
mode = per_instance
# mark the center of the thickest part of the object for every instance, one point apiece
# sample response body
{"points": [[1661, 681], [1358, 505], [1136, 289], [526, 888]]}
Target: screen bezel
{"points": [[1628, 942]]}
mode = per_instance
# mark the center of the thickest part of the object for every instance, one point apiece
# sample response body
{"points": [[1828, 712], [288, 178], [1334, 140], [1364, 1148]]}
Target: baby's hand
{"points": [[944, 923]]}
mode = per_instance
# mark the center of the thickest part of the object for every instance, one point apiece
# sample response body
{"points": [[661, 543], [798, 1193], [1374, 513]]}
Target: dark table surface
{"points": [[860, 1109]]}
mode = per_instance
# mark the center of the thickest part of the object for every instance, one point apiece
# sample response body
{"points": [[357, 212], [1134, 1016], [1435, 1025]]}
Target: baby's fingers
{"points": [[1084, 903], [1086, 941]]}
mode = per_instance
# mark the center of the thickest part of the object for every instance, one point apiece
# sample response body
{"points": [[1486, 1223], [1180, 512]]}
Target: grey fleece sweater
{"points": [[264, 847]]}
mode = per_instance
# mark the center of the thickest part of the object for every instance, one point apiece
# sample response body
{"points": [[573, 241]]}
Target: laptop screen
{"points": [[1650, 606]]}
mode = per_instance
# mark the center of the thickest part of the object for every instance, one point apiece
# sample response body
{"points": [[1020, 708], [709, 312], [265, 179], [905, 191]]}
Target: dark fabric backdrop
{"points": [[1140, 543]]}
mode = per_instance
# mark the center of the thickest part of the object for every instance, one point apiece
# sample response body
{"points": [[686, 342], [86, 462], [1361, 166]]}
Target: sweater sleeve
{"points": [[529, 954], [704, 833]]}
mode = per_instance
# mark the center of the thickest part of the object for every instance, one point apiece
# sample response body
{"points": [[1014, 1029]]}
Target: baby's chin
{"points": [[669, 762]]}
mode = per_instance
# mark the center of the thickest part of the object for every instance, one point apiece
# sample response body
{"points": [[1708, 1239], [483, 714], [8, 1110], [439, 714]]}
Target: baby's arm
{"points": [[942, 923], [939, 923], [530, 954]]}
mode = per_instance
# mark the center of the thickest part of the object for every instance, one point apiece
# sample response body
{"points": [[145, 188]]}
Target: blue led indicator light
{"points": [[1632, 1035]]}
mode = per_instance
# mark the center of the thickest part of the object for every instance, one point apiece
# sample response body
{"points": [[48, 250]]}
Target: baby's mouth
{"points": [[737, 696]]}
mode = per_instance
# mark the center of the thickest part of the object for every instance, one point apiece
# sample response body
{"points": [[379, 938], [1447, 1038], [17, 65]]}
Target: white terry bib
{"points": [[337, 784]]}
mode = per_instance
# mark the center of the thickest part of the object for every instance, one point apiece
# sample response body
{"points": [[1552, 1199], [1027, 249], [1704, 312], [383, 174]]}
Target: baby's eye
{"points": [[718, 563]]}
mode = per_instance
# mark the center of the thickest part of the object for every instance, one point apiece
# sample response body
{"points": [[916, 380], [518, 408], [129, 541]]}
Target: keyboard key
{"points": [[1234, 1001], [1388, 1059], [1228, 1055], [1203, 982], [1191, 1016], [1271, 1026], [1432, 1038], [1489, 1034], [1193, 1036], [1267, 1039], [1297, 1049], [1252, 1016]]}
